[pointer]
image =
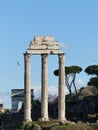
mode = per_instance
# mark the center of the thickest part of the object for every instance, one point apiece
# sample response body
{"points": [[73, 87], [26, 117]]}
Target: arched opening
{"points": [[20, 106]]}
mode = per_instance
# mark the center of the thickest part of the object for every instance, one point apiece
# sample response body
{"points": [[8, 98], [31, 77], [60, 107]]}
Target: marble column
{"points": [[44, 88], [61, 93], [27, 88]]}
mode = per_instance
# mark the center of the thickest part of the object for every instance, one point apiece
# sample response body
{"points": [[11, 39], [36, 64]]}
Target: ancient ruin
{"points": [[17, 95], [44, 46], [1, 108]]}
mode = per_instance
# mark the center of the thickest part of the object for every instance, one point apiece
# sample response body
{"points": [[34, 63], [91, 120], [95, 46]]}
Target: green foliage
{"points": [[77, 126], [73, 69], [69, 70], [93, 81], [92, 70], [56, 72], [70, 75], [30, 126], [55, 125]]}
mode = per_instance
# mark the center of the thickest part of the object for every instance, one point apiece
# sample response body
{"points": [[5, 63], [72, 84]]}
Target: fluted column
{"points": [[44, 88], [61, 93], [27, 88]]}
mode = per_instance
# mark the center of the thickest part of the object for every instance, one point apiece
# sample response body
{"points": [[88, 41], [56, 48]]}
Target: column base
{"points": [[27, 120], [62, 120], [44, 119]]}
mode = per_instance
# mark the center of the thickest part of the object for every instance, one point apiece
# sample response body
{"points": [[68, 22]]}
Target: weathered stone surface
{"points": [[44, 88], [44, 38], [27, 89], [44, 43], [17, 95], [44, 46], [61, 95], [39, 51]]}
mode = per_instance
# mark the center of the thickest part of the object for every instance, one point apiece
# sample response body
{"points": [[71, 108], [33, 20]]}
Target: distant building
{"points": [[17, 95], [1, 108]]}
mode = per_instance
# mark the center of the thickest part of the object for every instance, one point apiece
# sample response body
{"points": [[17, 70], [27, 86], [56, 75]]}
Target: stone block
{"points": [[43, 38]]}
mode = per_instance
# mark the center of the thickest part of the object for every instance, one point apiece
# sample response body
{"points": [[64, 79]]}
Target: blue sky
{"points": [[74, 23]]}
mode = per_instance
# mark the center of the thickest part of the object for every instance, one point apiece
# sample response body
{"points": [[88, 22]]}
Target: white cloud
{"points": [[1, 100], [63, 45], [80, 83], [52, 90], [37, 91]]}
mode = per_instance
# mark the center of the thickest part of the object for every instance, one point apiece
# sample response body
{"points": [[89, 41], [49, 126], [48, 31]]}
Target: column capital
{"points": [[44, 58], [44, 55], [27, 56], [61, 54], [61, 58]]}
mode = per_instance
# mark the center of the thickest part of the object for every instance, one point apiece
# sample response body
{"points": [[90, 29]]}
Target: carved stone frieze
{"points": [[44, 43]]}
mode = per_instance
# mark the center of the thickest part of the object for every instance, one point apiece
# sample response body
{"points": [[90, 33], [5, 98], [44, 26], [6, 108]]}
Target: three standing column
{"points": [[61, 94], [44, 88], [27, 89]]}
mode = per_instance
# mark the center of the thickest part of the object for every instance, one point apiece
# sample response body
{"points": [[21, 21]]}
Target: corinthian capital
{"points": [[44, 55], [44, 58], [27, 57], [61, 58]]}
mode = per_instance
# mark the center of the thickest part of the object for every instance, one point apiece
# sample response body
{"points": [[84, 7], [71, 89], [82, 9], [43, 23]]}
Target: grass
{"points": [[54, 125]]}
